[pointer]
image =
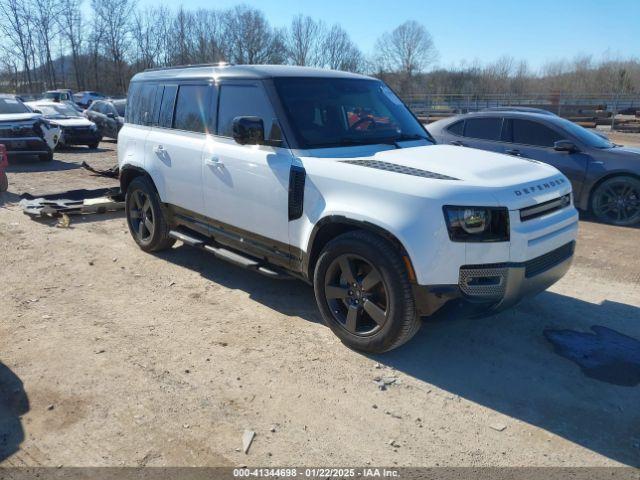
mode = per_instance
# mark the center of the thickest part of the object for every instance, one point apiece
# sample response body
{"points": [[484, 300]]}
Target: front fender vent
{"points": [[392, 167], [297, 178]]}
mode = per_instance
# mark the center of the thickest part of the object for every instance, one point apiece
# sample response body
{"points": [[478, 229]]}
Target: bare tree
{"points": [[147, 28], [71, 29], [115, 16], [304, 41], [338, 52], [14, 24], [45, 16], [407, 49], [251, 38]]}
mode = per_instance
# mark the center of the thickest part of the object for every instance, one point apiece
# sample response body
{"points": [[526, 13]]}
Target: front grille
{"points": [[17, 131], [549, 260], [545, 208], [77, 129], [483, 282]]}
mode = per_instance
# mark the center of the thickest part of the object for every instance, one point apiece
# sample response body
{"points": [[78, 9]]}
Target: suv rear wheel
{"points": [[146, 216], [364, 294]]}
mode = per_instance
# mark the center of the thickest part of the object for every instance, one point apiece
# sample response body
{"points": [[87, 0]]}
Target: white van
{"points": [[327, 176]]}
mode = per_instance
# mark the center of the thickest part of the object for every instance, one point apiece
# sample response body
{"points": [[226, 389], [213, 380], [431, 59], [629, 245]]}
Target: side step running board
{"points": [[194, 240]]}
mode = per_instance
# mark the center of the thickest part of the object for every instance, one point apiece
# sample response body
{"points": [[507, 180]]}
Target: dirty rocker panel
{"points": [[273, 251]]}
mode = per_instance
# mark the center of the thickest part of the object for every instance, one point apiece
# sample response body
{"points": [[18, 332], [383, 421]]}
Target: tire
{"points": [[617, 201], [47, 157], [153, 235], [4, 182], [93, 146], [379, 313]]}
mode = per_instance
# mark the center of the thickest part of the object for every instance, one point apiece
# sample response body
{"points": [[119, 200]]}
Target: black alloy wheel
{"points": [[356, 294], [617, 201], [141, 216]]}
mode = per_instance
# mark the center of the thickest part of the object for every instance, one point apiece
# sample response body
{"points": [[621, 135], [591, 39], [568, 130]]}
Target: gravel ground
{"points": [[111, 356]]}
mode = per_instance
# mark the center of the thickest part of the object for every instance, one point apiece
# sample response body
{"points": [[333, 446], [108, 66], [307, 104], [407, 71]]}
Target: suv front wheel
{"points": [[364, 294], [146, 216]]}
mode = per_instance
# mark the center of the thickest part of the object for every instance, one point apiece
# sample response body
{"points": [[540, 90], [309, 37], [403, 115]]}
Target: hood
{"points": [[18, 117], [71, 122], [513, 181], [626, 151]]}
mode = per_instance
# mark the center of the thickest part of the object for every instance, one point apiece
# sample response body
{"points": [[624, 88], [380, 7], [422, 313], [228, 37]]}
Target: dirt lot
{"points": [[110, 356]]}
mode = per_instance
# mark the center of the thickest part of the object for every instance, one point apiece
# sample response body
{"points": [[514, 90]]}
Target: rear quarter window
{"points": [[456, 128]]}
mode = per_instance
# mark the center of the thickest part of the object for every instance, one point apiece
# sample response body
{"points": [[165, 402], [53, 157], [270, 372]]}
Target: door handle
{"points": [[514, 152], [158, 149], [213, 161], [458, 143]]}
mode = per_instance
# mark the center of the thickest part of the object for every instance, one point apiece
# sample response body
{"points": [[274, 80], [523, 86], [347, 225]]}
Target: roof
{"points": [[510, 113], [43, 102], [241, 71]]}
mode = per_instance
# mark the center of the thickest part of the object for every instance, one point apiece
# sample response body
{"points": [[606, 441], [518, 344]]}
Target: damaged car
{"points": [[24, 132], [75, 129]]}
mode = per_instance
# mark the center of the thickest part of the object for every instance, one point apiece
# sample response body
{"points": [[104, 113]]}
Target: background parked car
{"points": [[23, 131], [62, 95], [84, 99], [75, 129], [605, 176], [108, 115], [4, 163]]}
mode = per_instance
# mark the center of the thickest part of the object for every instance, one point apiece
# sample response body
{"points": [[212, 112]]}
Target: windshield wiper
{"points": [[406, 137]]}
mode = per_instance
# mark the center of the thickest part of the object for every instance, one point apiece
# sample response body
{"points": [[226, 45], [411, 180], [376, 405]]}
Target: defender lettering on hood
{"points": [[541, 187]]}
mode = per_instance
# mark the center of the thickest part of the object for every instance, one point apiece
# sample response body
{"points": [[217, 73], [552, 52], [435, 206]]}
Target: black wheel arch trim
{"points": [[312, 252], [128, 173]]}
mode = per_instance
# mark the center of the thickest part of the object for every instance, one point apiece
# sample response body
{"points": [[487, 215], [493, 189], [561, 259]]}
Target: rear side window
{"points": [[192, 108], [527, 132], [483, 128], [166, 108], [456, 128], [241, 101], [141, 99]]}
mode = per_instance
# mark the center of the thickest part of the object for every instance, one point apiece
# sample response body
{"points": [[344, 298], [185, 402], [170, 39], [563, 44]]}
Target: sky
{"points": [[466, 30]]}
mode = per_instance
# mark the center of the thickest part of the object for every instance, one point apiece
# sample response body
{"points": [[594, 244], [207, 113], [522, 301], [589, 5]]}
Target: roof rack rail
{"points": [[197, 65]]}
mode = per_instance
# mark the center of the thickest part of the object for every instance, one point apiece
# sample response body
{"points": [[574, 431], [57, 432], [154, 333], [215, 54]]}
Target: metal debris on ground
{"points": [[384, 382], [112, 172], [64, 221], [73, 202], [247, 438]]}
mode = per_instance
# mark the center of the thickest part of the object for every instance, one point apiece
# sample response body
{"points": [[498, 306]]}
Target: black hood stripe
{"points": [[392, 167]]}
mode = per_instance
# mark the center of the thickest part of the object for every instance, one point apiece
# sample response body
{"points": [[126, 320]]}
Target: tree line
{"points": [[100, 45]]}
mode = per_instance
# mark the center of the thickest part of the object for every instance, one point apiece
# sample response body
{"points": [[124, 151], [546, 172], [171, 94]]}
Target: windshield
{"points": [[11, 105], [52, 95], [332, 112], [120, 107], [57, 111], [585, 136]]}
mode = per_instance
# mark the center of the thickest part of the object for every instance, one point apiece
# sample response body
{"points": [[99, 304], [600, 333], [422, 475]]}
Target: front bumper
{"points": [[80, 136], [495, 287], [25, 146]]}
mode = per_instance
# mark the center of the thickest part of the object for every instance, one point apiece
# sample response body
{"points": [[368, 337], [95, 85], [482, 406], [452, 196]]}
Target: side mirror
{"points": [[111, 115], [565, 146], [35, 110], [248, 130]]}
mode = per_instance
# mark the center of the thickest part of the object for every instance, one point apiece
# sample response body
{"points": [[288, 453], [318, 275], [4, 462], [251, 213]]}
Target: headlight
{"points": [[477, 224], [93, 127]]}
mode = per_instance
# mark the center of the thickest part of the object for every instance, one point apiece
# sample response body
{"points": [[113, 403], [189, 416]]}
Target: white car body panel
{"points": [[410, 207]]}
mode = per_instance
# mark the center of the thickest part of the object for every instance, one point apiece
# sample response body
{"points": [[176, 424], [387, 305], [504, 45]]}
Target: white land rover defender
{"points": [[327, 176]]}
